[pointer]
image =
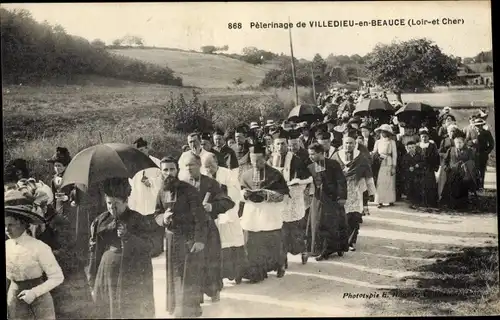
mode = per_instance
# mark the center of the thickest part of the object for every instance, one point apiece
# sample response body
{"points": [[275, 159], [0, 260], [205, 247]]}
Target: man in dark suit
{"points": [[482, 145], [226, 156], [368, 139]]}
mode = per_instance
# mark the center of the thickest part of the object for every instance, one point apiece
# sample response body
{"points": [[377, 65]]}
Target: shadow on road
{"points": [[485, 202], [469, 274], [459, 284]]}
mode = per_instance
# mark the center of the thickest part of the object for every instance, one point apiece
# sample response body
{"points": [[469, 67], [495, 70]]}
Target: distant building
{"points": [[476, 74]]}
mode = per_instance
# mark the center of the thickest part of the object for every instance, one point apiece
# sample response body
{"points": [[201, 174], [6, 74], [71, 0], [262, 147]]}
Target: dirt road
{"points": [[391, 241]]}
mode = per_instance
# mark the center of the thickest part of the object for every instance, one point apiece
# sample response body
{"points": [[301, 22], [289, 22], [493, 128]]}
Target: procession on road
{"points": [[235, 206]]}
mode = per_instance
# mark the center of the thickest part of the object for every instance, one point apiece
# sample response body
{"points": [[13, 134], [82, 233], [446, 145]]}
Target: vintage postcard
{"points": [[249, 159]]}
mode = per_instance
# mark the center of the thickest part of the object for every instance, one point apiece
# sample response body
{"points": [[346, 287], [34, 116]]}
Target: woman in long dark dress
{"points": [[461, 175], [446, 144], [431, 160], [120, 269]]}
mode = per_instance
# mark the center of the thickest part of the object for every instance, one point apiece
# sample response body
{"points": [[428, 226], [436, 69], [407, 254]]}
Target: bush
{"points": [[187, 116]]}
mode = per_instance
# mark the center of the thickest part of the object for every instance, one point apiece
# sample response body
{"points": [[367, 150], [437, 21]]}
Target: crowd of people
{"points": [[233, 206]]}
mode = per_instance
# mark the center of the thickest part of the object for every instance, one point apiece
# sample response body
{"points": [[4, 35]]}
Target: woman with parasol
{"points": [[27, 261], [120, 269]]}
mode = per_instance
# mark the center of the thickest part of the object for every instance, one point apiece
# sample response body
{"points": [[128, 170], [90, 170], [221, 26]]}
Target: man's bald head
{"points": [[192, 163], [209, 163]]}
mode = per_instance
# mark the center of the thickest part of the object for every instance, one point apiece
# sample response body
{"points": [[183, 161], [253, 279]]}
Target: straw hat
{"points": [[253, 125], [269, 123], [386, 128], [19, 205], [479, 122]]}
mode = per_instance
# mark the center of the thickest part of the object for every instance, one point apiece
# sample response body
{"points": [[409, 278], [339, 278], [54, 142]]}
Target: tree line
{"points": [[33, 51], [408, 66]]}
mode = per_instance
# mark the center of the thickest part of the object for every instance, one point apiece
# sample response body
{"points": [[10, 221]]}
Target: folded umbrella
{"points": [[103, 161]]}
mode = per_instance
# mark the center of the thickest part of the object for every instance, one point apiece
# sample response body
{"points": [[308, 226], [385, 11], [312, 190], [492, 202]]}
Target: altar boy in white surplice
{"points": [[228, 223], [293, 208], [145, 186]]}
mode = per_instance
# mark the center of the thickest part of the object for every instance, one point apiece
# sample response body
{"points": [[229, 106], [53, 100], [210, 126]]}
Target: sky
{"points": [[192, 25]]}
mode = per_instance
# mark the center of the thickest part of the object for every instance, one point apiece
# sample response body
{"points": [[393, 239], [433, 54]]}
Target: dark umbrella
{"points": [[416, 113], [374, 106], [416, 107], [305, 112], [104, 161]]}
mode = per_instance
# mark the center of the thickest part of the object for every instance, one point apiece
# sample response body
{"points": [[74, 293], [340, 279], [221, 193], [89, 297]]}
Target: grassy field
{"points": [[200, 70], [38, 119], [478, 98]]}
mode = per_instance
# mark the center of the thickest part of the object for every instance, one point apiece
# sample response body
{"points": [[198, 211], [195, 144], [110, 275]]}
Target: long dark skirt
{"points": [[456, 191], [413, 189], [106, 285], [264, 252], [233, 262], [329, 222], [184, 269], [72, 298], [212, 270], [41, 308], [294, 236], [354, 219], [429, 189]]}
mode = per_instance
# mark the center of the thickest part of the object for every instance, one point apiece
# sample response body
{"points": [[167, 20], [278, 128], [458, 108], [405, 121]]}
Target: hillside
{"points": [[198, 69]]}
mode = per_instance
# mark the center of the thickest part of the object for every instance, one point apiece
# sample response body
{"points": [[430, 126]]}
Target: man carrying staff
{"points": [[226, 156], [297, 176], [327, 223], [262, 187], [357, 170], [215, 202], [180, 210]]}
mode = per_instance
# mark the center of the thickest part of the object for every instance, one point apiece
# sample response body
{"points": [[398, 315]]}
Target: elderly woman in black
{"points": [[120, 269]]}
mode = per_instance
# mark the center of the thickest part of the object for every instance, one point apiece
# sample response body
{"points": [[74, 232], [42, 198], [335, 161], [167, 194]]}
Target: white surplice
{"points": [[228, 223], [143, 198]]}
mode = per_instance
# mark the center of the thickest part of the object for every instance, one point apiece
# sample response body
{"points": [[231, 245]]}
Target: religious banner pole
{"points": [[314, 86], [293, 66]]}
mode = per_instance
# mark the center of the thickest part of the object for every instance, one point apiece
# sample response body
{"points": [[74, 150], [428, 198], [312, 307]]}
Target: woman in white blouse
{"points": [[385, 150], [27, 260]]}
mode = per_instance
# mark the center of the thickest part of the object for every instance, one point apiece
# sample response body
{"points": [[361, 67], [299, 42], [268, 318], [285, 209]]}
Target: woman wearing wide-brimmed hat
{"points": [[28, 261], [385, 152], [60, 161]]}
